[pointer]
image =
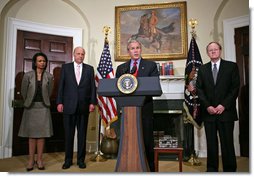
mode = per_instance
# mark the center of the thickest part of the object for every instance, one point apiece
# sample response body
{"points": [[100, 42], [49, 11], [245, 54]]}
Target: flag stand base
{"points": [[193, 161], [98, 157]]}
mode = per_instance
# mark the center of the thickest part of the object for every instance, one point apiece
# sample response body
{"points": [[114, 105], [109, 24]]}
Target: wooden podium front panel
{"points": [[131, 154]]}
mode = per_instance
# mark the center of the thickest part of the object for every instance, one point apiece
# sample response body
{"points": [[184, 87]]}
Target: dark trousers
{"points": [[70, 123], [225, 130], [149, 142]]}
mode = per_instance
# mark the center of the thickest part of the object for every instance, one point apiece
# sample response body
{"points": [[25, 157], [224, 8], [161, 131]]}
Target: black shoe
{"points": [[66, 165], [40, 167], [81, 165], [29, 169]]}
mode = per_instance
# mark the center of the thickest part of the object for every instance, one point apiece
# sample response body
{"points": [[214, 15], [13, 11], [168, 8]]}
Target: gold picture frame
{"points": [[161, 29]]}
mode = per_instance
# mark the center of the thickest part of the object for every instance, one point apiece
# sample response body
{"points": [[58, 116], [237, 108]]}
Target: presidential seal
{"points": [[127, 83]]}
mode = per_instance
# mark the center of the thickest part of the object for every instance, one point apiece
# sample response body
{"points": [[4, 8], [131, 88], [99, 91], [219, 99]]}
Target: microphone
{"points": [[133, 70]]}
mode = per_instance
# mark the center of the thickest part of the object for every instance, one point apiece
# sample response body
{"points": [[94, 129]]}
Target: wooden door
{"points": [[59, 51], [242, 59]]}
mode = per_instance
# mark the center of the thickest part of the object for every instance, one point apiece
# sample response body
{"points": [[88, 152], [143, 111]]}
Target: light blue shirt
{"points": [[132, 62]]}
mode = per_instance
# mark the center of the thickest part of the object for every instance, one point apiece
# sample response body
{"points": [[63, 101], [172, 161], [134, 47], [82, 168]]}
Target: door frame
{"points": [[13, 25], [229, 26]]}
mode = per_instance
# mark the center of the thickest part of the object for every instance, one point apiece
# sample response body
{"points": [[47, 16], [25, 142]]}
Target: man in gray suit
{"points": [[218, 85], [76, 99]]}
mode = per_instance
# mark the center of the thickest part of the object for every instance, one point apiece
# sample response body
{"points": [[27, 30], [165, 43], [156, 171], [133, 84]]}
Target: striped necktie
{"points": [[135, 65], [215, 72]]}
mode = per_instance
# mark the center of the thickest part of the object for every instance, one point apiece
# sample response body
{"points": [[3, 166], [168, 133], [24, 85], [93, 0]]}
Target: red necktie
{"points": [[135, 65]]}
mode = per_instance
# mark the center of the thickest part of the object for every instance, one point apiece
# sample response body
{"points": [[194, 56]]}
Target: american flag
{"points": [[107, 105]]}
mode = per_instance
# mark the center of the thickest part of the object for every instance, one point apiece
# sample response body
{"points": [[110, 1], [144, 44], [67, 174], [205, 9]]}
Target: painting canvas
{"points": [[161, 29]]}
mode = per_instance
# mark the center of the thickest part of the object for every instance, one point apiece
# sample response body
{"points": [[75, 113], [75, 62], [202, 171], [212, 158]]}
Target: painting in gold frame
{"points": [[161, 29]]}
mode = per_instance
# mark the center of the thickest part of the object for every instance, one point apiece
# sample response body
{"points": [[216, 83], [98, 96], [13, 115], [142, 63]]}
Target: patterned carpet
{"points": [[54, 161]]}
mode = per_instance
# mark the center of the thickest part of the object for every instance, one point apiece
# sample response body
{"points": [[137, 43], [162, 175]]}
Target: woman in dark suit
{"points": [[145, 68], [36, 123], [76, 99], [218, 85]]}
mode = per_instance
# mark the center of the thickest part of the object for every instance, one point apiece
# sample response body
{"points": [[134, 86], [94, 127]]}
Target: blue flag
{"points": [[191, 101]]}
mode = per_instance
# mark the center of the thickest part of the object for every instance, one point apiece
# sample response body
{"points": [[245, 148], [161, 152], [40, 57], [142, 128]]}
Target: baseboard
{"points": [[91, 146], [5, 152], [201, 153]]}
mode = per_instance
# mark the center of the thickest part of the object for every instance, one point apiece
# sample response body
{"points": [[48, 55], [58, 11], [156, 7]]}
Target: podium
{"points": [[131, 153]]}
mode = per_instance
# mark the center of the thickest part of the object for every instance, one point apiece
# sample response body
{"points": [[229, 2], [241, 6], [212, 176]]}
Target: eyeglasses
{"points": [[213, 50]]}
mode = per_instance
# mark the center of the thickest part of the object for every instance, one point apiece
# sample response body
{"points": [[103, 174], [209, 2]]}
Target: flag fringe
{"points": [[188, 117], [111, 121]]}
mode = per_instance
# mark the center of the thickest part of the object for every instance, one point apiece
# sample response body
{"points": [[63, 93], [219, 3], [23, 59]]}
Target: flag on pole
{"points": [[191, 101], [107, 105]]}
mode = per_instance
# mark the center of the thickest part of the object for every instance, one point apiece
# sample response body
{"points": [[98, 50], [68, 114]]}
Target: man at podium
{"points": [[140, 67]]}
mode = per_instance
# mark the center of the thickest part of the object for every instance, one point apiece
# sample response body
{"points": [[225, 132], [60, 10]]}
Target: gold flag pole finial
{"points": [[193, 23], [106, 30]]}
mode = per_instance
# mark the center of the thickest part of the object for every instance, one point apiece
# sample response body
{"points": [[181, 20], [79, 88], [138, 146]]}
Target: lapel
{"points": [[83, 72], [73, 73], [34, 80], [33, 76], [141, 68], [221, 70], [44, 78], [209, 73], [128, 65]]}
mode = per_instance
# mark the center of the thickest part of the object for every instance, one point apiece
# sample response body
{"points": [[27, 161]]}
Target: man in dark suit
{"points": [[76, 99], [144, 68], [218, 86]]}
